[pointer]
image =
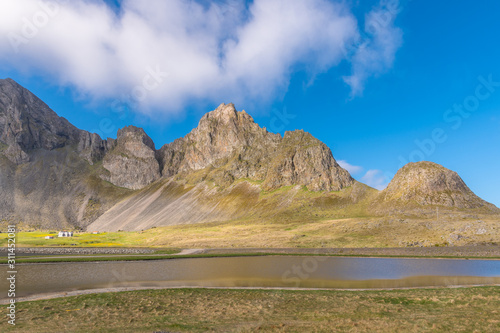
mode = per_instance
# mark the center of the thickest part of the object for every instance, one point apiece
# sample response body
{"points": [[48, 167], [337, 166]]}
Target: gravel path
{"points": [[450, 251], [76, 250]]}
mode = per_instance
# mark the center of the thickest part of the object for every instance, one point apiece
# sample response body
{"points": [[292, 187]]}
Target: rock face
{"points": [[27, 124], [221, 135], [92, 147], [302, 159], [132, 162], [47, 177], [229, 145], [430, 184]]}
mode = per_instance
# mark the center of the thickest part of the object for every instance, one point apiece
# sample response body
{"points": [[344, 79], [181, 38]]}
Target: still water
{"points": [[271, 271]]}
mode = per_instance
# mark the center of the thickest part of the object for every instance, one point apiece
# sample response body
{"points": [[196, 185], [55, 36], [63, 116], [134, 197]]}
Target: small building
{"points": [[49, 237], [95, 232], [65, 234]]}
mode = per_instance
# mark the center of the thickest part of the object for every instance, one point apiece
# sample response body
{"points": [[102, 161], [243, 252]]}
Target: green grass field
{"points": [[114, 239], [223, 310], [339, 233]]}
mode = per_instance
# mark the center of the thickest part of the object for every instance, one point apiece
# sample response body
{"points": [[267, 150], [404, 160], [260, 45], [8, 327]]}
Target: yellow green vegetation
{"points": [[349, 232], [203, 310], [360, 232], [37, 238]]}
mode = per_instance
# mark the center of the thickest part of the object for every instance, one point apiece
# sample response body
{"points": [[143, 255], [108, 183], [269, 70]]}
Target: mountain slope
{"points": [[169, 202], [427, 184]]}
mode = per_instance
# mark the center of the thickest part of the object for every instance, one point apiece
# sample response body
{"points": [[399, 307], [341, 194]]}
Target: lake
{"points": [[263, 271]]}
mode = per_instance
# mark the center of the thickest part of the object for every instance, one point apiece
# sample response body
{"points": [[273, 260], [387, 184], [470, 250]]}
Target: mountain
{"points": [[54, 175], [228, 145], [131, 162], [430, 184], [227, 168], [27, 124], [48, 176]]}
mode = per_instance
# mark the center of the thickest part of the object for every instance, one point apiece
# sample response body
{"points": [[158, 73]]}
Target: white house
{"points": [[65, 234], [49, 237]]}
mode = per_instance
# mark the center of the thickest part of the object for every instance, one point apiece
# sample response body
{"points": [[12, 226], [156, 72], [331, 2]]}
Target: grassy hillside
{"points": [[287, 232], [169, 202]]}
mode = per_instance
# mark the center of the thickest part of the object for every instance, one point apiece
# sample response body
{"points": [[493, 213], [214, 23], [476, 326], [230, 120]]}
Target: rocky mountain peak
{"points": [[225, 119], [27, 123], [230, 145], [219, 135], [132, 162], [224, 112], [303, 159], [134, 134], [298, 136], [428, 183]]}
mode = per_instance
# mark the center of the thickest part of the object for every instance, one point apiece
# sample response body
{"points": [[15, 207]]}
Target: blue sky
{"points": [[381, 83]]}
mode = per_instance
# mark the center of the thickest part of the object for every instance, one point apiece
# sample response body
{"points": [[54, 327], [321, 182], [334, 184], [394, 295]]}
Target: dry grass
{"points": [[349, 232], [37, 238], [352, 232], [202, 310]]}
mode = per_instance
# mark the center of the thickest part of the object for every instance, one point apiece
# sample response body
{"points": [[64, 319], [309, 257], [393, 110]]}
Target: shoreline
{"points": [[63, 294], [69, 254], [158, 257]]}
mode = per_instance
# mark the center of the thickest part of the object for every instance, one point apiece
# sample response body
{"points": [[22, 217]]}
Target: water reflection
{"points": [[272, 271]]}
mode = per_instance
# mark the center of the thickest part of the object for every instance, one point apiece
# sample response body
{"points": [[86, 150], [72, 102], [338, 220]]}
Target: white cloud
{"points": [[373, 177], [376, 179], [375, 50], [211, 50], [352, 169]]}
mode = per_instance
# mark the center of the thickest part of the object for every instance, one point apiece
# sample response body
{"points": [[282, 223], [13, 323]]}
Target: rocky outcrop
{"points": [[27, 124], [303, 159], [92, 148], [229, 145], [430, 184], [132, 162], [220, 135]]}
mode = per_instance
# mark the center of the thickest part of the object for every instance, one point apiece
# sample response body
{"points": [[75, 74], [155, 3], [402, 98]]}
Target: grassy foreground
{"points": [[223, 310]]}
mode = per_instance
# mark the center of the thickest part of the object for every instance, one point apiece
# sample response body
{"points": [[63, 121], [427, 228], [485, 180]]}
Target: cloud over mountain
{"points": [[163, 54], [353, 169]]}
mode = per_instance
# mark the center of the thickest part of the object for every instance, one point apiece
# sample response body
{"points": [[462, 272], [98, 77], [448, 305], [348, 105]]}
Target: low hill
{"points": [[424, 186]]}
